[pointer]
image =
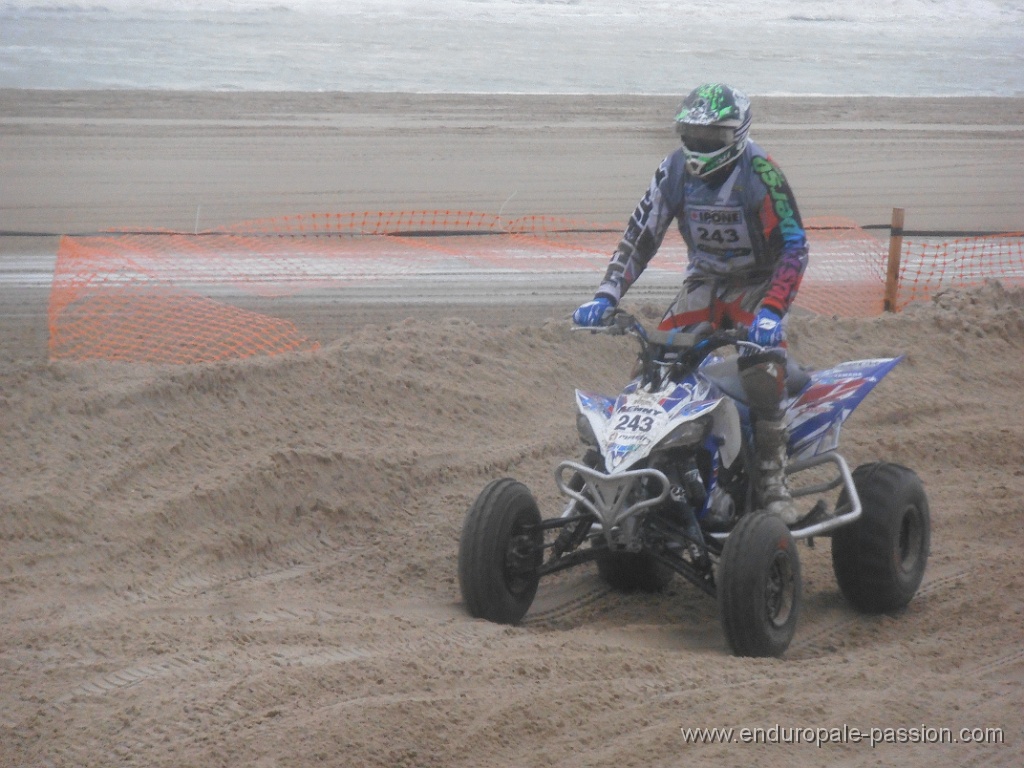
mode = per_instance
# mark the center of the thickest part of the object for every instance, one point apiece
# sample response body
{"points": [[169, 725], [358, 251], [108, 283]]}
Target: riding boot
{"points": [[770, 439]]}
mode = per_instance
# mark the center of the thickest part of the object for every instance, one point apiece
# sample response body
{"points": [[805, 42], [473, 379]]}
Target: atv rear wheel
{"points": [[879, 559], [500, 552], [758, 585]]}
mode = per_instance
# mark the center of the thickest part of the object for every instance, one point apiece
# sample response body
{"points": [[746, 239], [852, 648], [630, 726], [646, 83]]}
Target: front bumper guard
{"points": [[608, 496]]}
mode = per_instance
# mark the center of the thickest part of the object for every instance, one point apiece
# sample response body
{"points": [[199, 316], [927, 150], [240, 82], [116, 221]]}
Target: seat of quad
{"points": [[726, 375]]}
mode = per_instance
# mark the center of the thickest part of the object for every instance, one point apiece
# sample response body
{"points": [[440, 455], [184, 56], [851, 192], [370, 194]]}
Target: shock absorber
{"points": [[693, 485]]}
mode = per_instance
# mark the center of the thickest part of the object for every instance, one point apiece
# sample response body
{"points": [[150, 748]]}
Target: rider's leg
{"points": [[691, 306], [764, 379], [701, 301], [710, 299]]}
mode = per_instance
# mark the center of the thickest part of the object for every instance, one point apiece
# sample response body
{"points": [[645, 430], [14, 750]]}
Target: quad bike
{"points": [[667, 484]]}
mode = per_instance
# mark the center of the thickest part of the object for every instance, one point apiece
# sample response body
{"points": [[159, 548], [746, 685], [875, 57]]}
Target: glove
{"points": [[593, 312], [766, 330]]}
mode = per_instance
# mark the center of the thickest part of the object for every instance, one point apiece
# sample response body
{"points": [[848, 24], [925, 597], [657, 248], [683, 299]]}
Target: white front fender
{"points": [[726, 426]]}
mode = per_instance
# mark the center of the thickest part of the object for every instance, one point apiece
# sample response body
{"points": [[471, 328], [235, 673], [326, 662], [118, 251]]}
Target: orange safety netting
{"points": [[846, 272], [166, 297], [106, 305], [927, 268]]}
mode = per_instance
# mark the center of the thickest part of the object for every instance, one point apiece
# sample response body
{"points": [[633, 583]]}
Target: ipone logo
{"points": [[716, 217]]}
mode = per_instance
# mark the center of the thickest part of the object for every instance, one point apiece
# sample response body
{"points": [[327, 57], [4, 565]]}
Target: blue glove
{"points": [[593, 312], [766, 330]]}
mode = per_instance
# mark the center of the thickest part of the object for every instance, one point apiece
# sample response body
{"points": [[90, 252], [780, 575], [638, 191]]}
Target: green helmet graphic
{"points": [[713, 123]]}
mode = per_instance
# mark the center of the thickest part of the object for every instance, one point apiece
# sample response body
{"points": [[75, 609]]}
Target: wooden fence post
{"points": [[892, 275]]}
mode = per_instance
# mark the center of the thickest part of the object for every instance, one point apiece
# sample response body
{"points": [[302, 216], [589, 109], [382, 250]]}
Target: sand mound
{"points": [[253, 563]]}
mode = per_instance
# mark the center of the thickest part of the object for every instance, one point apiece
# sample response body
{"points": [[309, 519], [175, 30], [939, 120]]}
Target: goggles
{"points": [[705, 138]]}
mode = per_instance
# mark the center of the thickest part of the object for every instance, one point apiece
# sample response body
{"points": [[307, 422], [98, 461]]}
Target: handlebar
{"points": [[673, 348], [618, 322]]}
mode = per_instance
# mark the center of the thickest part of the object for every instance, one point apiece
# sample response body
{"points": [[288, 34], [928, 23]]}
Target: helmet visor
{"points": [[705, 138]]}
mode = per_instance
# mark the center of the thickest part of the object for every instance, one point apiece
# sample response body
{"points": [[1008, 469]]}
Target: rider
{"points": [[747, 254]]}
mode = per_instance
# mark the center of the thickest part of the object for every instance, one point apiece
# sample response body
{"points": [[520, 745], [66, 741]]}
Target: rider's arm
{"points": [[784, 234], [641, 240]]}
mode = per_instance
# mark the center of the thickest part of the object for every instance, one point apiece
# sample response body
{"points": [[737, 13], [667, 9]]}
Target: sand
{"points": [[254, 562], [80, 161]]}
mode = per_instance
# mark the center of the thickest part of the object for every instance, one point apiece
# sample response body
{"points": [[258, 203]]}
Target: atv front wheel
{"points": [[500, 552], [879, 559], [758, 585]]}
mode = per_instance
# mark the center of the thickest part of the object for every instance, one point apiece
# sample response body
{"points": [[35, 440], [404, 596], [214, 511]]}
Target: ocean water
{"points": [[837, 47]]}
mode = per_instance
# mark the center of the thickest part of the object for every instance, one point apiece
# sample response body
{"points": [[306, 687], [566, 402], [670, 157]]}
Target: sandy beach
{"points": [[254, 562], [74, 161]]}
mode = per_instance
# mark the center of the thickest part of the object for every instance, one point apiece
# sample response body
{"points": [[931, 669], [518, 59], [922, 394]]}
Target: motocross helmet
{"points": [[713, 123]]}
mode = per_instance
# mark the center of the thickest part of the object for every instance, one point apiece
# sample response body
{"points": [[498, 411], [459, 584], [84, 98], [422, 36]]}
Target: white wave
{"points": [[842, 11], [872, 47]]}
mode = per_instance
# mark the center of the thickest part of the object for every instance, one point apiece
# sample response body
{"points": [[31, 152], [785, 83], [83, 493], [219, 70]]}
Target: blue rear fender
{"points": [[814, 417]]}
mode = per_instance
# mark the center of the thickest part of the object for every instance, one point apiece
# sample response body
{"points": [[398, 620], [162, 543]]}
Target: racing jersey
{"points": [[745, 230]]}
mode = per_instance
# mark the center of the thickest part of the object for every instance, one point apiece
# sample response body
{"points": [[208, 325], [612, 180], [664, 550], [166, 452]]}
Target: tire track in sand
{"points": [[824, 639], [561, 601]]}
